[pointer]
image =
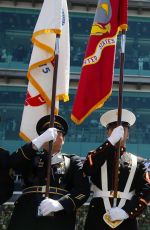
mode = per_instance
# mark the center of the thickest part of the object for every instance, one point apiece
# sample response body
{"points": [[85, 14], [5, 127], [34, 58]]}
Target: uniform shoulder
{"points": [[3, 151], [140, 159], [71, 156], [147, 165], [68, 154]]}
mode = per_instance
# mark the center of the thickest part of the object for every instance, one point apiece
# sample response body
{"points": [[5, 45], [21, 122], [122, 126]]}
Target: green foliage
{"points": [[6, 210]]}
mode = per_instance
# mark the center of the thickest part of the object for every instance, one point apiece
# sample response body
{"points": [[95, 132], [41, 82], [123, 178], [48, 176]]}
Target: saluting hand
{"points": [[49, 135], [116, 135]]}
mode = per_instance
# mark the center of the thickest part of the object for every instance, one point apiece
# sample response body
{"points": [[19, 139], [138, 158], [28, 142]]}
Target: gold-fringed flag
{"points": [[53, 20], [95, 84]]}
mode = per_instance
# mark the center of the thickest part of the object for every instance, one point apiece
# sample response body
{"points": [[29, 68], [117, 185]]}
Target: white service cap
{"points": [[112, 116]]}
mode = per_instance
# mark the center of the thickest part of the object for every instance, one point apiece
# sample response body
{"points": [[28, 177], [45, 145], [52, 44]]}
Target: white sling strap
{"points": [[99, 193], [104, 179], [130, 179]]}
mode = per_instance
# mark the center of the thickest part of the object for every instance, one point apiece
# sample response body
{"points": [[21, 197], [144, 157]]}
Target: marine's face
{"points": [[126, 134], [57, 144]]}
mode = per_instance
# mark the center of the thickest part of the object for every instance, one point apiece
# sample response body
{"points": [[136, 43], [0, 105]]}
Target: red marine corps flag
{"points": [[95, 84], [53, 20]]}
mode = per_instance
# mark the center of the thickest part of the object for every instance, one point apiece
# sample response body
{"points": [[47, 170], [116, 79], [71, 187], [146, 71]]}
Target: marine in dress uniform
{"points": [[133, 193], [69, 188]]}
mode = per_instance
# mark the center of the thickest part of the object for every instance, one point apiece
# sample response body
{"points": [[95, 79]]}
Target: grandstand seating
{"points": [[16, 27]]}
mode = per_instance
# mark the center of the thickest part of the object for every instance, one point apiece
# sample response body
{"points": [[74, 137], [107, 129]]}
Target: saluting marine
{"points": [[69, 189], [133, 193]]}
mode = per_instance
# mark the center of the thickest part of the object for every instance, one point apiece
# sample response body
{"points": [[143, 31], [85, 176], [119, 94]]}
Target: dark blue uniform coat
{"points": [[68, 186], [6, 179], [134, 207]]}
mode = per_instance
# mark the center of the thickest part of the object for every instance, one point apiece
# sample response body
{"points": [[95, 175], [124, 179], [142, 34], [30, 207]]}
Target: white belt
{"points": [[122, 195], [125, 195]]}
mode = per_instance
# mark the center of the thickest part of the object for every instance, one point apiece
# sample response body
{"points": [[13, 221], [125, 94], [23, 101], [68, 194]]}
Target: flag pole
{"points": [[52, 115], [120, 100], [106, 216]]}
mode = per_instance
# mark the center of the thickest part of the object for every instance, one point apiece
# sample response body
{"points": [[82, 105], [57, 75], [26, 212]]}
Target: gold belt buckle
{"points": [[112, 194], [118, 194]]}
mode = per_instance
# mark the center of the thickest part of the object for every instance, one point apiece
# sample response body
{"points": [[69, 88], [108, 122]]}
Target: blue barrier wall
{"points": [[82, 138]]}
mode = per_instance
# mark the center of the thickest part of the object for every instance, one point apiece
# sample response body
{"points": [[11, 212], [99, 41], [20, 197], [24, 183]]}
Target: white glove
{"points": [[117, 214], [48, 206], [116, 135], [49, 135]]}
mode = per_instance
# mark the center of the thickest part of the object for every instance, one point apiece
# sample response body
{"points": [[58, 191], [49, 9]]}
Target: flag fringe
{"points": [[64, 97], [97, 106], [24, 137], [37, 64], [41, 45], [123, 27]]}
